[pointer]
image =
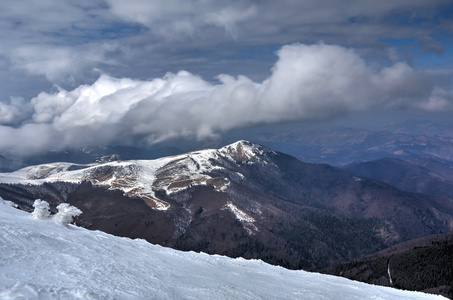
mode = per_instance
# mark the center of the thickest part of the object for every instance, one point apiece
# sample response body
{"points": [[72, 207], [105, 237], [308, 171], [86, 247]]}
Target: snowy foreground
{"points": [[40, 259]]}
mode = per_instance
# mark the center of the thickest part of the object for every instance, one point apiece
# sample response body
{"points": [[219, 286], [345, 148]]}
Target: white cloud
{"points": [[102, 102], [14, 112], [308, 82], [52, 42], [62, 64], [321, 81], [29, 139], [440, 100], [48, 106]]}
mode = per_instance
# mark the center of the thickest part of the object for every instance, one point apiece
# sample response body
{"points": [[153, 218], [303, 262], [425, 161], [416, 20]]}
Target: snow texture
{"points": [[41, 260]]}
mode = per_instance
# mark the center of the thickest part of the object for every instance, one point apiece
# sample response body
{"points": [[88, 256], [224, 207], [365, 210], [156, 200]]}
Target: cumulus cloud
{"points": [[440, 100], [29, 139], [14, 112], [85, 105], [308, 82], [61, 43]]}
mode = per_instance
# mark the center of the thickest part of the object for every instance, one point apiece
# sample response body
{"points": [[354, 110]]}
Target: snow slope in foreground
{"points": [[44, 260]]}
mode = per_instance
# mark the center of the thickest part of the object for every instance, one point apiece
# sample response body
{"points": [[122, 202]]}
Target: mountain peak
{"points": [[243, 150]]}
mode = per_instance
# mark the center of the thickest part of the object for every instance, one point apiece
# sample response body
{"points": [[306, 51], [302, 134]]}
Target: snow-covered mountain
{"points": [[40, 259], [240, 200], [142, 178]]}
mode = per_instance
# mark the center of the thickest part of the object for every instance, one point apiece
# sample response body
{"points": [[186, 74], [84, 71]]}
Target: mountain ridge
{"points": [[243, 199]]}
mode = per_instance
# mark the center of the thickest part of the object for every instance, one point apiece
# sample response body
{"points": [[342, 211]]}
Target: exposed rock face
{"points": [[240, 200]]}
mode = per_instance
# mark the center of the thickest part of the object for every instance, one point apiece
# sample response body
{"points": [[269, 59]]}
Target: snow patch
{"points": [[246, 220]]}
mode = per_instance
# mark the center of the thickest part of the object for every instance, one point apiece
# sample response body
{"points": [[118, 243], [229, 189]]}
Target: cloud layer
{"points": [[64, 41], [308, 82]]}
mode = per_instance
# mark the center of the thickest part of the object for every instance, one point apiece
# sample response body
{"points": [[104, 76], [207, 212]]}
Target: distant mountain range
{"points": [[439, 129], [334, 146], [419, 175], [343, 146], [243, 199]]}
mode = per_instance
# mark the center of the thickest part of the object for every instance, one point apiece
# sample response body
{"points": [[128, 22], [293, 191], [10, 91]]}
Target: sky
{"points": [[87, 72]]}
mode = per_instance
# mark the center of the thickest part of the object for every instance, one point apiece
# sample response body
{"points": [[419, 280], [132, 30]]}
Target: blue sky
{"points": [[153, 70]]}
